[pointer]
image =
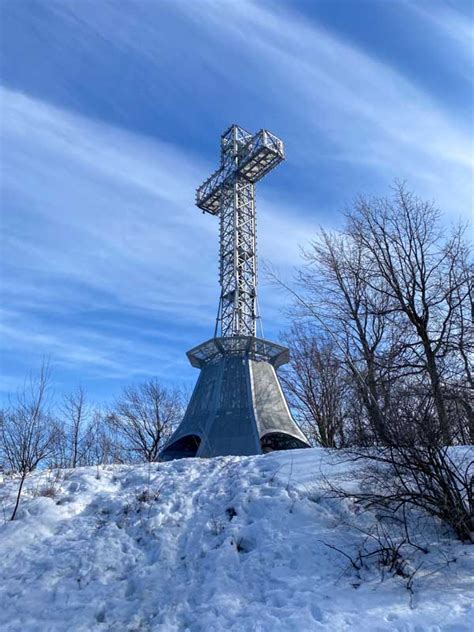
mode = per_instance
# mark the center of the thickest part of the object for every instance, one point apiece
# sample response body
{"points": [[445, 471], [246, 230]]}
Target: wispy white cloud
{"points": [[117, 209], [117, 356], [101, 219], [374, 116], [100, 233]]}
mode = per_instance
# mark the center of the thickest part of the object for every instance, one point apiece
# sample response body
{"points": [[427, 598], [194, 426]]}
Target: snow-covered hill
{"points": [[210, 545]]}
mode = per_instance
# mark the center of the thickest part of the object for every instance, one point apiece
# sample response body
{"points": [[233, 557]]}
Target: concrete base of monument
{"points": [[237, 407]]}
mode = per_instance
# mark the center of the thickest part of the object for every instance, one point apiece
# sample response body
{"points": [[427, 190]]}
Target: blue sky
{"points": [[111, 114]]}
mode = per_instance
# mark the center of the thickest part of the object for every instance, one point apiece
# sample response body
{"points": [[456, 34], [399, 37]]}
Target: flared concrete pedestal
{"points": [[237, 406]]}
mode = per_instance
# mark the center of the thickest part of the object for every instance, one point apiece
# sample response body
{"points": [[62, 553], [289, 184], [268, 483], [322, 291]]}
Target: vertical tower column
{"points": [[238, 268]]}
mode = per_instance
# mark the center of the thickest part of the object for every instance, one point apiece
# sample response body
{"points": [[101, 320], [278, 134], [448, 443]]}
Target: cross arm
{"points": [[260, 155], [255, 158], [209, 193]]}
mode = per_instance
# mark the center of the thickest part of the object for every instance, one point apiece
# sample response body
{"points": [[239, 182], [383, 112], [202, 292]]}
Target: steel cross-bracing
{"points": [[230, 193]]}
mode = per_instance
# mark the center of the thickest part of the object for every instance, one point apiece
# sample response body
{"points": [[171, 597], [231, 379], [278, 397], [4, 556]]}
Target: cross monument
{"points": [[237, 406]]}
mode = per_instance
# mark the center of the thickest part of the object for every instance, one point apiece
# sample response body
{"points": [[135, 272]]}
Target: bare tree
{"points": [[416, 268], [102, 444], [335, 289], [459, 388], [74, 432], [27, 431], [85, 434], [145, 415], [392, 290], [316, 385]]}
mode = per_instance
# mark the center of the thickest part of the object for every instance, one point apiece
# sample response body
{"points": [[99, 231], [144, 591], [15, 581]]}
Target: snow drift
{"points": [[235, 543]]}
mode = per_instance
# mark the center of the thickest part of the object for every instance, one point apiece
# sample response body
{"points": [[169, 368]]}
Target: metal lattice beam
{"points": [[230, 193]]}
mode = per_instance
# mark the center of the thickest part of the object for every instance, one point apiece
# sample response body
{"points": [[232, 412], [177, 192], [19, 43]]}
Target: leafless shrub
{"points": [[428, 478], [148, 495], [390, 553], [216, 525], [47, 491], [49, 484]]}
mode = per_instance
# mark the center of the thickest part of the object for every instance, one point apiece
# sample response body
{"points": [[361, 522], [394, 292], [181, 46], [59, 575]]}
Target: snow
{"points": [[225, 544]]}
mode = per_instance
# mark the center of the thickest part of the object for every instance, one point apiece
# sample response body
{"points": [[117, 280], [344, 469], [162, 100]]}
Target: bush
{"points": [[439, 481]]}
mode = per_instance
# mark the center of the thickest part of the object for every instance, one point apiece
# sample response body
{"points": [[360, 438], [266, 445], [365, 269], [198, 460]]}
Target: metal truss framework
{"points": [[255, 348], [230, 193]]}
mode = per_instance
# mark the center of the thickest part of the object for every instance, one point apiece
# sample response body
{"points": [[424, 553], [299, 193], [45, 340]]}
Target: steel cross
{"points": [[230, 193]]}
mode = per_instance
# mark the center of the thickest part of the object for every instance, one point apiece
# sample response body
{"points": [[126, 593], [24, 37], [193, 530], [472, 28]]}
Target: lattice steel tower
{"points": [[237, 405]]}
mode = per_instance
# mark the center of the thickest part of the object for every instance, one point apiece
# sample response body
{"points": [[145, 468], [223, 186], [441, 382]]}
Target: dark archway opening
{"points": [[280, 441], [183, 448]]}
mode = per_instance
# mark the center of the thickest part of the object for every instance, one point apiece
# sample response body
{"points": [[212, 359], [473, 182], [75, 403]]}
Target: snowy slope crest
{"points": [[241, 544]]}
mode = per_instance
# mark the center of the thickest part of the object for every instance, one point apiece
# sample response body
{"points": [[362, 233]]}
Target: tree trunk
{"points": [[433, 373], [18, 496]]}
